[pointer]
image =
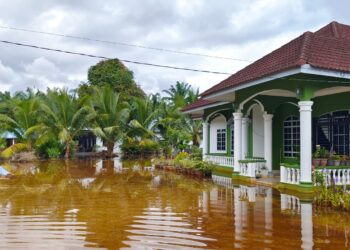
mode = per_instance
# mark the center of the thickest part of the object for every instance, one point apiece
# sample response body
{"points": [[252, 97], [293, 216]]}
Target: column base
{"points": [[235, 173], [300, 188]]}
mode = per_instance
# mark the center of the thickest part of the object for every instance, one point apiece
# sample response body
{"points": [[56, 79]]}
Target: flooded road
{"points": [[128, 205]]}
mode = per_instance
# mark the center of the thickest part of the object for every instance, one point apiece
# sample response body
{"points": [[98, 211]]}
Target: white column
{"points": [[268, 140], [238, 217], [306, 226], [268, 213], [205, 138], [237, 117], [245, 122], [305, 141]]}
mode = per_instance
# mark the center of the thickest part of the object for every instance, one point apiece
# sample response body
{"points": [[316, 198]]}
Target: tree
{"points": [[144, 114], [194, 127], [63, 116], [181, 94], [114, 74], [21, 117], [111, 116]]}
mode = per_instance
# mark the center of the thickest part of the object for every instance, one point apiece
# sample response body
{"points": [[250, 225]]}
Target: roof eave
{"points": [[201, 109], [265, 79]]}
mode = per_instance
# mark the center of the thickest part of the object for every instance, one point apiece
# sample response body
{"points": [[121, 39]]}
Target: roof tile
{"points": [[327, 48]]}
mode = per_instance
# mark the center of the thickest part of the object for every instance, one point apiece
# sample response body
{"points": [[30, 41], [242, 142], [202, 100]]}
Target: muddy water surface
{"points": [[114, 205]]}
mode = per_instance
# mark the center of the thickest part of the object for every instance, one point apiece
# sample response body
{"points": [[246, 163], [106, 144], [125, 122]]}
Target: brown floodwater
{"points": [[129, 205]]}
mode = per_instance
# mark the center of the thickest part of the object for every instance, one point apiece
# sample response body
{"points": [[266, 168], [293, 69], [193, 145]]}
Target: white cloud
{"points": [[238, 29]]}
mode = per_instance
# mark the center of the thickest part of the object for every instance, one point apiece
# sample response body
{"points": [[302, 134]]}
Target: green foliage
{"points": [[336, 197], [15, 148], [205, 167], [50, 149], [196, 153], [64, 117], [181, 156], [319, 178], [2, 143], [181, 94], [144, 147], [320, 152], [53, 153], [111, 116], [112, 73]]}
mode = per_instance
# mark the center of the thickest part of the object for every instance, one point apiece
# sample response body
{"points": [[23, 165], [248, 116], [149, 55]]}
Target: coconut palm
{"points": [[111, 116], [21, 118], [144, 113], [194, 127], [63, 116], [181, 94]]}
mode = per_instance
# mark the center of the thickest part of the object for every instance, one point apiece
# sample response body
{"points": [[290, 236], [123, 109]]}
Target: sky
{"points": [[236, 29]]}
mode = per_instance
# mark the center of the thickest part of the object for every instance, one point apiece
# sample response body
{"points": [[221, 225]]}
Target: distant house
{"points": [[278, 108], [10, 138]]}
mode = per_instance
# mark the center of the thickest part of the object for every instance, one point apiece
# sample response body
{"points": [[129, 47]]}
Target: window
{"points": [[332, 132], [221, 139], [291, 137]]}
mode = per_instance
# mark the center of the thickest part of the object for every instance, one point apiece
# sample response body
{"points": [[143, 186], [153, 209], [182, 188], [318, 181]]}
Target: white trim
{"points": [[241, 105], [204, 107], [308, 69], [215, 112], [255, 82]]}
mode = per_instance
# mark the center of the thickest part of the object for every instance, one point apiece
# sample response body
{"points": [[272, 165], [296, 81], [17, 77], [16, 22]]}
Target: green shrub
{"points": [[143, 147], [181, 156], [319, 178], [196, 153], [52, 147], [53, 152]]}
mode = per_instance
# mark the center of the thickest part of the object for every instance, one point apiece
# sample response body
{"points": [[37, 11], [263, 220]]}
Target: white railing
{"points": [[250, 167], [290, 202], [336, 176], [290, 175], [222, 181], [226, 161]]}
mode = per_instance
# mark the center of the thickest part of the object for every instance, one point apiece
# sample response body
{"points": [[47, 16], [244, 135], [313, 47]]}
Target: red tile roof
{"points": [[327, 48], [197, 104]]}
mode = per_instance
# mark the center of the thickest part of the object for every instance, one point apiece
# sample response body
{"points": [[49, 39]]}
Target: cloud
{"points": [[238, 29]]}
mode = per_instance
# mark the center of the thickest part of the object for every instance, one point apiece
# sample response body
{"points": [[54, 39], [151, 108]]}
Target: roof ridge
{"points": [[334, 26], [305, 47]]}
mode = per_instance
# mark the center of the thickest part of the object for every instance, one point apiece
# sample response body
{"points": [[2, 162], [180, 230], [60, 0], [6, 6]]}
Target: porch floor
{"points": [[270, 181]]}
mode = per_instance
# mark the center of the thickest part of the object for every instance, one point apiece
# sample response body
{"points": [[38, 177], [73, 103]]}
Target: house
{"points": [[276, 110], [9, 137]]}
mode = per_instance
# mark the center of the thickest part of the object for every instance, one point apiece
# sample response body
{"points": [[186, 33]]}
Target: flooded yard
{"points": [[129, 205]]}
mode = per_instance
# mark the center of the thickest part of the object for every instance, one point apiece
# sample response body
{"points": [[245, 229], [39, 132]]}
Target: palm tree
{"points": [[178, 94], [111, 116], [63, 116], [144, 113], [21, 118], [194, 128]]}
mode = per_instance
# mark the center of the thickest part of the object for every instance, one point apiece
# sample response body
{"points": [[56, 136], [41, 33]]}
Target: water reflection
{"points": [[117, 204]]}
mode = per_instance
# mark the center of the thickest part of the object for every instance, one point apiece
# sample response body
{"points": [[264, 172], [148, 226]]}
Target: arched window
{"points": [[291, 137]]}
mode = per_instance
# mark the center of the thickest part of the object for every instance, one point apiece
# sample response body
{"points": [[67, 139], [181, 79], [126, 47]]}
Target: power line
{"points": [[104, 57], [123, 44], [164, 66]]}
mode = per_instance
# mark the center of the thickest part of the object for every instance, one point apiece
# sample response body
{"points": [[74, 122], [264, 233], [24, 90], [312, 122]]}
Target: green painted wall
{"points": [[326, 104], [281, 113], [281, 109]]}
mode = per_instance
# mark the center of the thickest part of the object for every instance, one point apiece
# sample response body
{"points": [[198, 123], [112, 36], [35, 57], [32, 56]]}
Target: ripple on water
{"points": [[41, 231], [161, 229]]}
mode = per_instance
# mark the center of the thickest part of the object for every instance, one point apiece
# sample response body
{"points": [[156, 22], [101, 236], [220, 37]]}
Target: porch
{"points": [[280, 138], [280, 107]]}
